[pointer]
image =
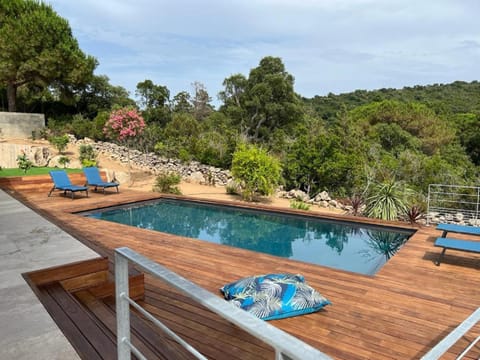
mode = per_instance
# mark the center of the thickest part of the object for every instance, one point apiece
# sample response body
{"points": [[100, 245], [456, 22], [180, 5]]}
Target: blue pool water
{"points": [[348, 246]]}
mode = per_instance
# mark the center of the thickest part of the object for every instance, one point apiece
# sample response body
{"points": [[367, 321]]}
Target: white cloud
{"points": [[328, 45]]}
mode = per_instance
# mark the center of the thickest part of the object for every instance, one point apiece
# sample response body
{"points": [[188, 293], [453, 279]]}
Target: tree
{"points": [[153, 99], [124, 125], [37, 47], [181, 103], [99, 95], [201, 101], [264, 102], [255, 170]]}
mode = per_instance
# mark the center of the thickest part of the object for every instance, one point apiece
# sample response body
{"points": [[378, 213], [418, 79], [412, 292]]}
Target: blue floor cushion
{"points": [[274, 296]]}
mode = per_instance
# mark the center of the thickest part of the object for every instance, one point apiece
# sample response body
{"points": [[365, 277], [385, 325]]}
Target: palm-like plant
{"points": [[387, 200]]}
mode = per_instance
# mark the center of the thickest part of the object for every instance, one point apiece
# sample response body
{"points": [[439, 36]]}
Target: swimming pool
{"points": [[342, 245]]}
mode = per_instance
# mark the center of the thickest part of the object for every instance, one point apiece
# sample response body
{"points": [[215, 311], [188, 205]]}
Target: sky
{"points": [[329, 46]]}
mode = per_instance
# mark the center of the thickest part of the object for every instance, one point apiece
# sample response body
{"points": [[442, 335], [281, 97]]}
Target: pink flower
{"points": [[124, 124]]}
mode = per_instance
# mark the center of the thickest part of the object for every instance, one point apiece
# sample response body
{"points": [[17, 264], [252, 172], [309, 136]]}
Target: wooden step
{"points": [[89, 270], [151, 341], [136, 287], [89, 337]]}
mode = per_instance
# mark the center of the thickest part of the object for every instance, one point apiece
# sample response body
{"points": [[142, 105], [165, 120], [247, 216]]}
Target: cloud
{"points": [[329, 46]]}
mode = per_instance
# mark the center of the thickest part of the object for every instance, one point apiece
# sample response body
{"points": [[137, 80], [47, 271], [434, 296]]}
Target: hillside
{"points": [[458, 97]]}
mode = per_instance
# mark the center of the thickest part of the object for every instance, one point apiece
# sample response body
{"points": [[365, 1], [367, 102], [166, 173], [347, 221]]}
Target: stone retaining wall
{"points": [[192, 171]]}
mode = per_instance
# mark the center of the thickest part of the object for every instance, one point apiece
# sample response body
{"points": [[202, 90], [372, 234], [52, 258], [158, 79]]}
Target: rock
{"points": [[73, 164], [474, 222], [323, 196], [196, 178], [333, 203], [299, 195], [459, 217], [323, 203]]}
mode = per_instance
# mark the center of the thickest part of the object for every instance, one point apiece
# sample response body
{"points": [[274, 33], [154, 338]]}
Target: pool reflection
{"points": [[347, 246]]}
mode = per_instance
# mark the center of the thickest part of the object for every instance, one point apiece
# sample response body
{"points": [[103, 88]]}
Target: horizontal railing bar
{"points": [[452, 210], [442, 347], [469, 347], [454, 186], [165, 328], [281, 341]]}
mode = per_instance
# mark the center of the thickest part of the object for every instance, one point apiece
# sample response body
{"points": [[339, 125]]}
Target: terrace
{"points": [[400, 313]]}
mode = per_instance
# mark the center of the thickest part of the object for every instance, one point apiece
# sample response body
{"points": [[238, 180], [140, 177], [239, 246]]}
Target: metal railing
{"points": [[286, 347], [449, 340], [451, 200]]}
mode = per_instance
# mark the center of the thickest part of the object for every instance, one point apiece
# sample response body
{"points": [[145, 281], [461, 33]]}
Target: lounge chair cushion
{"points": [[274, 296]]}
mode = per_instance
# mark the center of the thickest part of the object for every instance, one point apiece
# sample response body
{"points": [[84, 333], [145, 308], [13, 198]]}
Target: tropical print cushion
{"points": [[274, 296]]}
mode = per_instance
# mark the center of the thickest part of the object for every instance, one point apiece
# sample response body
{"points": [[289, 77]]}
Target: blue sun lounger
{"points": [[456, 244], [61, 181], [461, 229], [94, 179]]}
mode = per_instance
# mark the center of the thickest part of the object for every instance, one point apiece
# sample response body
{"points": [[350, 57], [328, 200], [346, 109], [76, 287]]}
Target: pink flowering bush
{"points": [[124, 124]]}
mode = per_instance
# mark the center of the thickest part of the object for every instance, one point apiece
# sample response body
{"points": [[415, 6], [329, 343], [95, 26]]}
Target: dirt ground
{"points": [[143, 181]]}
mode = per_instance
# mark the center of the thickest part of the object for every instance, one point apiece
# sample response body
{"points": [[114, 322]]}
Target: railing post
{"points": [[122, 307], [478, 203]]}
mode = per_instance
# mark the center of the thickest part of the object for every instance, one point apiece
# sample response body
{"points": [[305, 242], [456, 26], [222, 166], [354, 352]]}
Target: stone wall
{"points": [[192, 171], [20, 125], [39, 154]]}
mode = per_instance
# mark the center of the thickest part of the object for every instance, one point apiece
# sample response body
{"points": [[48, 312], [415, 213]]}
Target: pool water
{"points": [[341, 245]]}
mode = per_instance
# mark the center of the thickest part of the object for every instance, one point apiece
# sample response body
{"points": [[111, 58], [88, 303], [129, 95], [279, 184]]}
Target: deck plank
{"points": [[400, 313]]}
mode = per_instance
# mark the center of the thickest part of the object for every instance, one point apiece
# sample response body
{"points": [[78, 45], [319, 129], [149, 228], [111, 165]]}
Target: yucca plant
{"points": [[387, 200]]}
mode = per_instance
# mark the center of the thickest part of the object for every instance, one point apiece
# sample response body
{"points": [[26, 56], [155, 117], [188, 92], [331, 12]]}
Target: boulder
{"points": [[323, 196]]}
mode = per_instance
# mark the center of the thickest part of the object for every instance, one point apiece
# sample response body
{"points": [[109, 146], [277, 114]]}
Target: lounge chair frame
{"points": [[456, 244], [61, 181], [94, 179]]}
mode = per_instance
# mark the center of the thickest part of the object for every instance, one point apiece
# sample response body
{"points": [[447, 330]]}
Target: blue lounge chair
{"points": [[61, 181], [456, 244], [94, 179], [461, 229]]}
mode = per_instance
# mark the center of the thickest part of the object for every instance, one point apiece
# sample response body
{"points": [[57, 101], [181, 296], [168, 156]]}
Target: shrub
{"points": [[356, 202], [255, 170], [166, 183], [60, 142], [24, 163], [300, 205], [64, 160], [87, 155], [232, 188], [414, 214]]}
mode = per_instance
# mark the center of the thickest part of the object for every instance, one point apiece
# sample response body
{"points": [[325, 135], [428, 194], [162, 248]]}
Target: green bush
{"points": [[24, 163], [60, 142], [64, 160], [232, 188], [255, 170], [87, 156], [300, 205], [166, 183]]}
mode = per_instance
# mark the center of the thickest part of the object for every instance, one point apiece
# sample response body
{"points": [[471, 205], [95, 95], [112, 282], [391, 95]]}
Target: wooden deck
{"points": [[400, 313]]}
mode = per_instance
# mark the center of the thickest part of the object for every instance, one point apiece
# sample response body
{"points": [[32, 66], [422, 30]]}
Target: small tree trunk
{"points": [[12, 96], [129, 166]]}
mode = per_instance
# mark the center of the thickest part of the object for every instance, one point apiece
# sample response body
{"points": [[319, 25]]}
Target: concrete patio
{"points": [[29, 242]]}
